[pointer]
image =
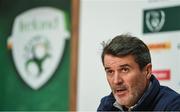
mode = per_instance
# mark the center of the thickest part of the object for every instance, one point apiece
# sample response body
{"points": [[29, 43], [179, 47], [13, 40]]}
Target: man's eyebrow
{"points": [[125, 65]]}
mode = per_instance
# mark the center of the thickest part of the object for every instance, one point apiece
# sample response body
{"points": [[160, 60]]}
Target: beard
{"points": [[131, 97]]}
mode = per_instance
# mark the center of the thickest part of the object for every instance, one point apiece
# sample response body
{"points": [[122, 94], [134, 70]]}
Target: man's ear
{"points": [[148, 70]]}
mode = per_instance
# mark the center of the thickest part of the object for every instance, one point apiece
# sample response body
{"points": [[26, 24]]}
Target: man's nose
{"points": [[117, 78]]}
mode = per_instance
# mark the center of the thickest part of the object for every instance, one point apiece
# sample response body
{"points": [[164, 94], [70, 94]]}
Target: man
{"points": [[127, 63]]}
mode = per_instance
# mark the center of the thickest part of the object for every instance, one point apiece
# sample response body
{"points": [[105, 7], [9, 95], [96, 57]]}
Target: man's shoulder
{"points": [[108, 98], [107, 103], [161, 97], [163, 93], [168, 92], [169, 97]]}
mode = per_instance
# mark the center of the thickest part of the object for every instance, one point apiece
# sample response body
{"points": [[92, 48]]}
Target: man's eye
{"points": [[109, 72], [125, 70]]}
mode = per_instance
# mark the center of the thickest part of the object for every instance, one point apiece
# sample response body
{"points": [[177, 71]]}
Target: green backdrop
{"points": [[171, 22], [15, 94]]}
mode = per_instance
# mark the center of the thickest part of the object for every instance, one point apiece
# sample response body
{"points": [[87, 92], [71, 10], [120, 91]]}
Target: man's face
{"points": [[126, 79]]}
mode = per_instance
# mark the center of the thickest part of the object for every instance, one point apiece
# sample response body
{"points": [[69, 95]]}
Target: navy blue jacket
{"points": [[157, 98]]}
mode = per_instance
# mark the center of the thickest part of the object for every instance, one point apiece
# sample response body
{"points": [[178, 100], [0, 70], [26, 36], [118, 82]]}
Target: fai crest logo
{"points": [[155, 20], [38, 40]]}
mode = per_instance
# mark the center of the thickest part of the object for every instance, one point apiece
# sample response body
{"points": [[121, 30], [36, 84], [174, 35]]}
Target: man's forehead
{"points": [[112, 58], [118, 61]]}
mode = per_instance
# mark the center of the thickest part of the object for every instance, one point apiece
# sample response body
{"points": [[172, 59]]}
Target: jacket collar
{"points": [[145, 102]]}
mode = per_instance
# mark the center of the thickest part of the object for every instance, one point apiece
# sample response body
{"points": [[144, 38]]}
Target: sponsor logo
{"points": [[37, 42], [155, 20], [162, 74], [159, 46]]}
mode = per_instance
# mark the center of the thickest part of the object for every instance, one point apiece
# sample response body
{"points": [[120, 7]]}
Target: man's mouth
{"points": [[120, 91]]}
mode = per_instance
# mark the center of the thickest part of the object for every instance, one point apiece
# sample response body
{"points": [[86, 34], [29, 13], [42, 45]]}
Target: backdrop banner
{"points": [[161, 19], [161, 32], [35, 54]]}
